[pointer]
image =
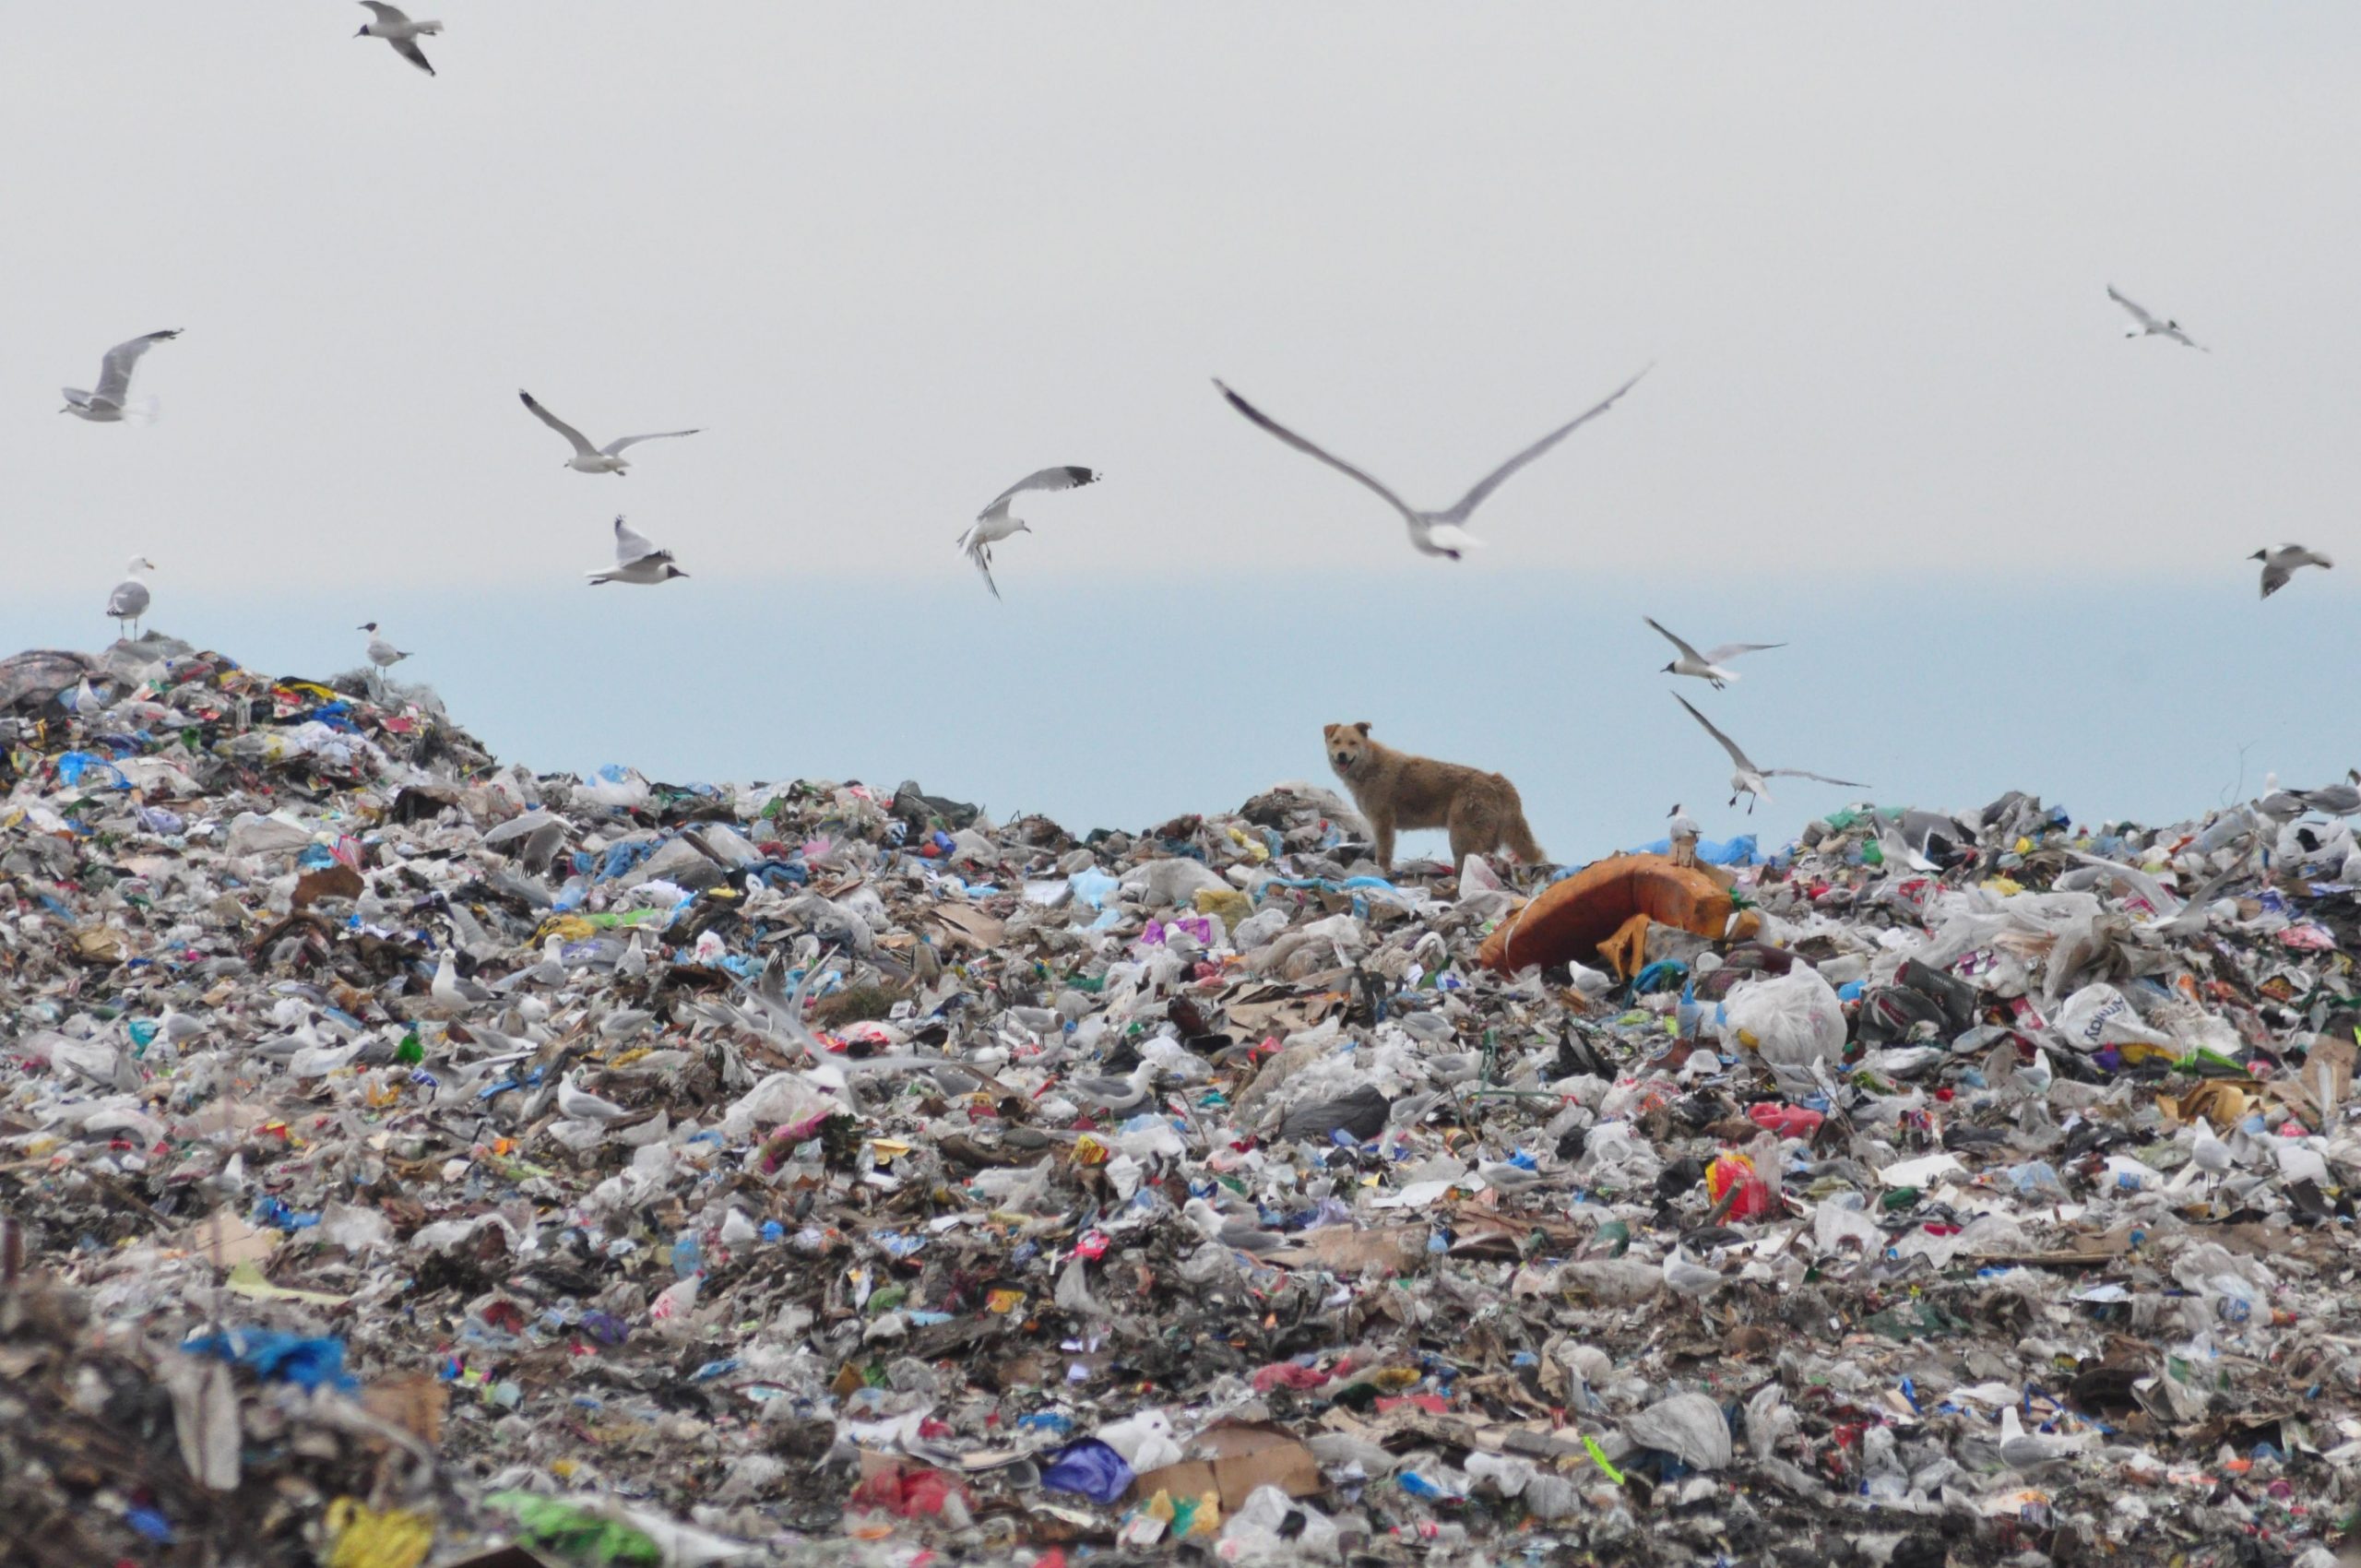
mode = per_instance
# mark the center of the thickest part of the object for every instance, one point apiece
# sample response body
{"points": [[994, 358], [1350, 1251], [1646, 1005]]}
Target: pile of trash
{"points": [[408, 1158]]}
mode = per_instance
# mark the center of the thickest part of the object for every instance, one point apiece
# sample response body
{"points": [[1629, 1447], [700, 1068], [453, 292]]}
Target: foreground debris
{"points": [[408, 1158]]}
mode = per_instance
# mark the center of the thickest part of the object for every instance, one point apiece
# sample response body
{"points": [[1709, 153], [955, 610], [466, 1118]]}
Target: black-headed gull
{"points": [[398, 31], [129, 599], [1441, 533], [382, 653], [2281, 563], [994, 523], [112, 401], [590, 459], [636, 560], [2148, 326], [1705, 666], [1748, 778]]}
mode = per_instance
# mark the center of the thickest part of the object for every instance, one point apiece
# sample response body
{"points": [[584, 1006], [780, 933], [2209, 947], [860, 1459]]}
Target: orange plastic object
{"points": [[1569, 920]]}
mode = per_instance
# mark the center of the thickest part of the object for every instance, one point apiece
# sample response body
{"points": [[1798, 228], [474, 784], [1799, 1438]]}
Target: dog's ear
{"points": [[1364, 727]]}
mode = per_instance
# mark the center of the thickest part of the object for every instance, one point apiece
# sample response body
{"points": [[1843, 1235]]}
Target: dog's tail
{"points": [[1519, 838]]}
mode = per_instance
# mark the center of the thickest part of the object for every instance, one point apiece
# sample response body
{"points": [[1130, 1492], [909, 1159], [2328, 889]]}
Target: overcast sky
{"points": [[894, 256]]}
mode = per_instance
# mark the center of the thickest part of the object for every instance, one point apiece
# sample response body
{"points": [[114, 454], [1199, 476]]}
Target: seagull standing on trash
{"points": [[1441, 533], [578, 1104], [590, 459], [2335, 800], [2147, 325], [398, 31], [382, 653], [1748, 779], [994, 524], [1117, 1097], [129, 599], [1238, 1235], [2023, 1450], [636, 560], [1705, 666], [112, 401], [2281, 563]]}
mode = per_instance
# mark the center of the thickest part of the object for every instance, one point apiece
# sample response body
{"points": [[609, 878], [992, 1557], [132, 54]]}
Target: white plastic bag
{"points": [[1793, 1020]]}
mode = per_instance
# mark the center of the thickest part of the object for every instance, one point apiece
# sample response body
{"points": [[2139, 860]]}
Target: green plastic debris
{"points": [[575, 1532], [1906, 1320], [1598, 1457]]}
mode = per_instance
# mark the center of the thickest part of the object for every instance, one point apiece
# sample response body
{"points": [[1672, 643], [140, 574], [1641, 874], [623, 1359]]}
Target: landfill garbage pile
{"points": [[408, 1158]]}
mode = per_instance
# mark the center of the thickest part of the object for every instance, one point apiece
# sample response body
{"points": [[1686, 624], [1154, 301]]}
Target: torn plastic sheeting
{"points": [[277, 1358], [1089, 1467]]}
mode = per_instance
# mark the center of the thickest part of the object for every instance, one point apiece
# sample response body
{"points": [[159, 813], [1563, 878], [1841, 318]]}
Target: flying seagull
{"points": [[590, 459], [398, 31], [382, 653], [2281, 563], [1748, 778], [111, 401], [1432, 533], [1705, 666], [2149, 327], [636, 560], [129, 599], [994, 524]]}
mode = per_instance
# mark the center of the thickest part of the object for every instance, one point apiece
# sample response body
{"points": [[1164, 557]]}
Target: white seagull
{"points": [[2149, 327], [382, 653], [1238, 1235], [129, 599], [1705, 666], [1748, 779], [579, 1104], [994, 524], [1679, 823], [398, 31], [590, 459], [1441, 533], [2281, 563], [110, 402], [636, 560]]}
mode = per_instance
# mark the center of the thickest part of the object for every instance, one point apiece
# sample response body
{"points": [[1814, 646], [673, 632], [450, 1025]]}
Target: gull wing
{"points": [[1686, 651], [1308, 450], [1737, 757], [1064, 477], [408, 50], [1731, 651], [2139, 312], [582, 447], [631, 546], [619, 442], [114, 370], [1816, 777], [1492, 481], [979, 550]]}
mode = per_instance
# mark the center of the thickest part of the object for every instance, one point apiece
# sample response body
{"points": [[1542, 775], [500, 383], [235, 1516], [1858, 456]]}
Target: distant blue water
{"points": [[1119, 704]]}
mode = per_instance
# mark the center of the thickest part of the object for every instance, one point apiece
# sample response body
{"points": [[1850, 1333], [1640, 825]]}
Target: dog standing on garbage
{"points": [[1396, 790]]}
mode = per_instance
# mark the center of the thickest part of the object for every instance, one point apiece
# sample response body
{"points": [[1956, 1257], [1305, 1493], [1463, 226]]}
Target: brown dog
{"points": [[1396, 790]]}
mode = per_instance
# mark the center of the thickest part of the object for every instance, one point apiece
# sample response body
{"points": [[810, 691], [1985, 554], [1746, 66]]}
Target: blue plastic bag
{"points": [[1090, 1468]]}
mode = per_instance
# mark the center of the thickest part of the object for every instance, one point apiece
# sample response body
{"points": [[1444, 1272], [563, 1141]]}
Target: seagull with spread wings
{"points": [[994, 523], [1748, 778], [1441, 533], [1705, 666], [2281, 563], [398, 31], [590, 459], [2148, 326], [112, 401], [636, 560]]}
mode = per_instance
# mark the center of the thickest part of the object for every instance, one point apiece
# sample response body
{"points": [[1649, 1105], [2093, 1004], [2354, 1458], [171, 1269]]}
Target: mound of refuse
{"points": [[408, 1158]]}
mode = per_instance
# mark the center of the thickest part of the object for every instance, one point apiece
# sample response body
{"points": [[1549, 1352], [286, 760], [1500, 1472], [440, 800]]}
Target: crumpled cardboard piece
{"points": [[1233, 1458], [1343, 1250]]}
